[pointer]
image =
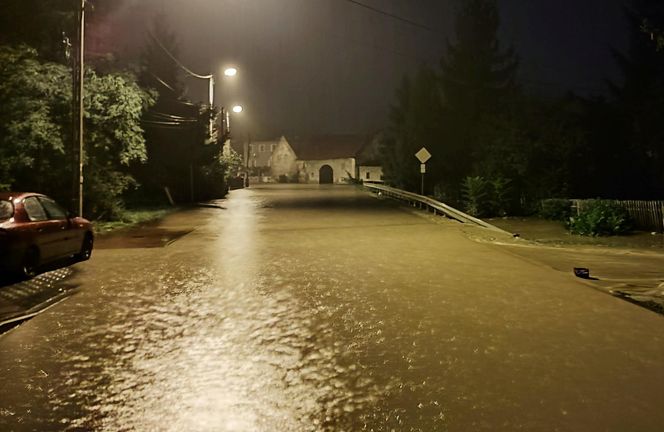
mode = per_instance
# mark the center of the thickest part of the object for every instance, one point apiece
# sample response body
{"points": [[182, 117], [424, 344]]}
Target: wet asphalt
{"points": [[307, 308]]}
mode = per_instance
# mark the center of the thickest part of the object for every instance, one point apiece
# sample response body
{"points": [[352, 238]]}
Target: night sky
{"points": [[330, 66]]}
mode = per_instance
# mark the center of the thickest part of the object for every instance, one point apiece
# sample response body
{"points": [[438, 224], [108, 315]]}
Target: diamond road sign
{"points": [[423, 155]]}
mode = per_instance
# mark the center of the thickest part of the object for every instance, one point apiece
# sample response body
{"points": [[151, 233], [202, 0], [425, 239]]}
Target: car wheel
{"points": [[30, 264], [86, 248]]}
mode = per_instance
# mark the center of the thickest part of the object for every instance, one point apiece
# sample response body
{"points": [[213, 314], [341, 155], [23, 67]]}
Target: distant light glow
{"points": [[238, 109], [230, 72]]}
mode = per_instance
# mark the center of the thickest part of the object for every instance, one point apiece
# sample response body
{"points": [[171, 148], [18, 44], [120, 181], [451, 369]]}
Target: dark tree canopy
{"points": [[477, 74], [639, 106], [158, 70]]}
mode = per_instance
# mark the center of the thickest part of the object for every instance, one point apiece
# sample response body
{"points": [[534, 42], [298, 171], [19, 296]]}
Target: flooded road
{"points": [[294, 308]]}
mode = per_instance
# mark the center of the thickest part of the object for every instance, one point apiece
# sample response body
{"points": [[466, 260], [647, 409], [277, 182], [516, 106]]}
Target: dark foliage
{"points": [[558, 209], [601, 218], [497, 150], [181, 155]]}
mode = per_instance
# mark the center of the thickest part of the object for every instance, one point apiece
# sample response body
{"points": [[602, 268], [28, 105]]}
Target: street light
{"points": [[238, 109], [229, 72]]}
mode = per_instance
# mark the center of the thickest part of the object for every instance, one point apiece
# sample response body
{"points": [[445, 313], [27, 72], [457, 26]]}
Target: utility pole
{"points": [[211, 100], [79, 87]]}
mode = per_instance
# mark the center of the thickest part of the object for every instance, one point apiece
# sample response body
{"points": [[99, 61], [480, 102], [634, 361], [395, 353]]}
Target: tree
{"points": [[415, 122], [181, 155], [114, 105], [639, 104], [35, 109], [656, 34], [158, 70], [478, 76], [478, 82], [44, 25]]}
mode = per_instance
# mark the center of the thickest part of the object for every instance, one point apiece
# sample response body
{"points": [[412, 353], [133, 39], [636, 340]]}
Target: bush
{"points": [[483, 197], [501, 196], [600, 218], [476, 192], [557, 209]]}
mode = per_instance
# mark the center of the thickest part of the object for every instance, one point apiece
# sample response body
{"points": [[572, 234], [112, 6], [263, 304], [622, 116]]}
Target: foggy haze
{"points": [[331, 66]]}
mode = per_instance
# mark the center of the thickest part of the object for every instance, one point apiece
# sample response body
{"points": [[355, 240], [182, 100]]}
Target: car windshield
{"points": [[6, 210]]}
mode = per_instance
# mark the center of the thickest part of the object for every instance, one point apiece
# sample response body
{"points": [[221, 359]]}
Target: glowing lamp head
{"points": [[237, 109], [230, 72]]}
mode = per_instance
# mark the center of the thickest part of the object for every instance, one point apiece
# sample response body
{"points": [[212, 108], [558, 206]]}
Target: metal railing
{"points": [[432, 205]]}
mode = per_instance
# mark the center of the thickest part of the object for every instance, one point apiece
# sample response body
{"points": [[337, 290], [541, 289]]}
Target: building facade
{"points": [[326, 159]]}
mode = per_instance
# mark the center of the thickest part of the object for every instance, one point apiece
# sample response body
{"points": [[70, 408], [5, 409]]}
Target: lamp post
{"points": [[229, 72]]}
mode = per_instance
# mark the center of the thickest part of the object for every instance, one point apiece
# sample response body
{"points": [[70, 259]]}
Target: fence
{"points": [[647, 215]]}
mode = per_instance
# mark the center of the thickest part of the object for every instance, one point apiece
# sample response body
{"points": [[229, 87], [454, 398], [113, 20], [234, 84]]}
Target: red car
{"points": [[35, 231]]}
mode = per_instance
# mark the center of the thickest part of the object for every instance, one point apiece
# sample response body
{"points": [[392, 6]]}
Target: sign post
{"points": [[423, 156]]}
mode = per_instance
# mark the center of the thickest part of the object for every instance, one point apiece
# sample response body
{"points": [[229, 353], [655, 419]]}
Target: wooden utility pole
{"points": [[79, 87]]}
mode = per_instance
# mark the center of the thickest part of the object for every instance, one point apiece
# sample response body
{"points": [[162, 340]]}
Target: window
{"points": [[34, 210], [272, 147], [52, 208], [6, 209], [368, 175], [261, 148]]}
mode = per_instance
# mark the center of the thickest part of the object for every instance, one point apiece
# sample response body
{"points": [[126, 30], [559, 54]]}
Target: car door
{"points": [[66, 241], [47, 234]]}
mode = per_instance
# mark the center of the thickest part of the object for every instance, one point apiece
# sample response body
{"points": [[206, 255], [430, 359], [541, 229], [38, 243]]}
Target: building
{"points": [[323, 159], [369, 167], [327, 159]]}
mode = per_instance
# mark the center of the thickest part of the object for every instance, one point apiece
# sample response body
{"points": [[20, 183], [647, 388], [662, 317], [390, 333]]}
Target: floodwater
{"points": [[295, 308]]}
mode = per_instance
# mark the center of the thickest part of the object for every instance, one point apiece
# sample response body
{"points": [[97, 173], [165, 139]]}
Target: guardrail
{"points": [[431, 204]]}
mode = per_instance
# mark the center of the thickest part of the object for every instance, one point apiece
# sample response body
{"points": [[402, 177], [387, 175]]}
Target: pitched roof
{"points": [[327, 146]]}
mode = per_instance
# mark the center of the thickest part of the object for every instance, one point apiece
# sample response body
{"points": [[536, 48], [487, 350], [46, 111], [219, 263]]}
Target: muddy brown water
{"points": [[325, 309]]}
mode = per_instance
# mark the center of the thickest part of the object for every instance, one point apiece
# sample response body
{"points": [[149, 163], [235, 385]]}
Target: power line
{"points": [[177, 62], [164, 83], [391, 15], [174, 118]]}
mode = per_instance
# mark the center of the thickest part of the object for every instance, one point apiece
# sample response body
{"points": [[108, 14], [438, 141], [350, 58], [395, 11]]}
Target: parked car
{"points": [[36, 231]]}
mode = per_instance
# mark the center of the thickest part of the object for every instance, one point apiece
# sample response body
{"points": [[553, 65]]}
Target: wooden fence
{"points": [[647, 215]]}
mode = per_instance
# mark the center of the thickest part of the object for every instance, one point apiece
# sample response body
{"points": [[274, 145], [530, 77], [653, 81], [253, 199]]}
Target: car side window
{"points": [[34, 209], [53, 210], [6, 209]]}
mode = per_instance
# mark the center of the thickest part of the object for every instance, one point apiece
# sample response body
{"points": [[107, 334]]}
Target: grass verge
{"points": [[133, 217]]}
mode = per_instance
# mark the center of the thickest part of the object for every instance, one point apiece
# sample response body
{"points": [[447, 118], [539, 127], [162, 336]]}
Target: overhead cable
{"points": [[173, 118], [177, 62], [391, 15]]}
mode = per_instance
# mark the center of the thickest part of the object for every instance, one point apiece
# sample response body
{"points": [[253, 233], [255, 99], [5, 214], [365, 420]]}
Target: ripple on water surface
{"points": [[192, 353]]}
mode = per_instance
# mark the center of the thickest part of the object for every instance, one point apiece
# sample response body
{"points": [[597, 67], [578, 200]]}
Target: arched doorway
{"points": [[326, 175]]}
